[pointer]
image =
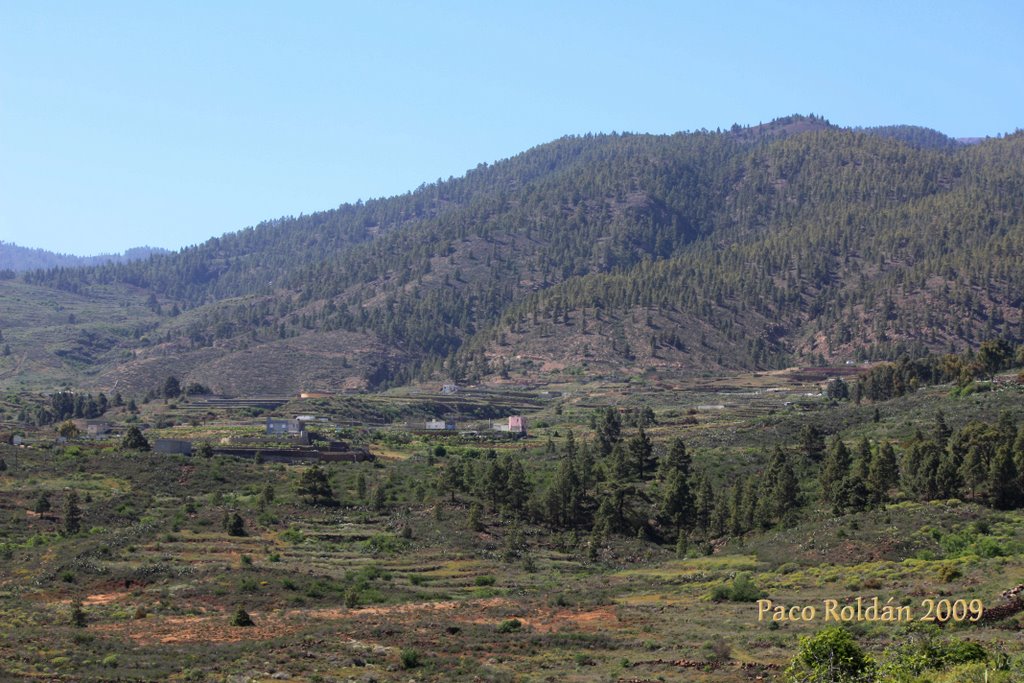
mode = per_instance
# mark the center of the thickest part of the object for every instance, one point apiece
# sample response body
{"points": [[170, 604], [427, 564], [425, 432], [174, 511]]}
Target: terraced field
{"points": [[406, 580]]}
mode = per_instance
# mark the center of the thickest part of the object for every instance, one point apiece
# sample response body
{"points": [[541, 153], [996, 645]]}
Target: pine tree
{"points": [[171, 388], [609, 432], [834, 469], [941, 431], [948, 481], [474, 519], [134, 440], [315, 487], [785, 490], [451, 478], [587, 470], [882, 473], [42, 505], [518, 492], [379, 498], [677, 459], [72, 514], [569, 447], [813, 443], [921, 467], [563, 499], [1003, 482], [704, 504], [677, 505], [641, 451], [736, 510], [496, 484]]}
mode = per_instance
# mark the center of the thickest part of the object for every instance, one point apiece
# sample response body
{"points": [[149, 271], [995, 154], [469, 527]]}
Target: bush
{"points": [[236, 525], [410, 658], [919, 650], [741, 590], [509, 625], [242, 618], [718, 649], [830, 656], [78, 617]]}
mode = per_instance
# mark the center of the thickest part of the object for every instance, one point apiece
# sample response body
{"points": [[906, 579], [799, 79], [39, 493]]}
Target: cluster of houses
{"points": [[515, 424]]}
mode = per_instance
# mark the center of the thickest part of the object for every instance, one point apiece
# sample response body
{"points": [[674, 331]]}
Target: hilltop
{"points": [[20, 259]]}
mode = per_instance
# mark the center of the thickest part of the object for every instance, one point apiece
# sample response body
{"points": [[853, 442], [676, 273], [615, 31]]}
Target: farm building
{"points": [[173, 446], [516, 424], [98, 427], [283, 426]]}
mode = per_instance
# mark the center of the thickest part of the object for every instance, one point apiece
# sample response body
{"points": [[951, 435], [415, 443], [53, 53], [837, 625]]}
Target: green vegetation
{"points": [[610, 544], [663, 519], [793, 242]]}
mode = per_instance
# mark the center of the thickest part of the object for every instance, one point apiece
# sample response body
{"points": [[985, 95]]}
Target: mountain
{"points": [[755, 247], [20, 259]]}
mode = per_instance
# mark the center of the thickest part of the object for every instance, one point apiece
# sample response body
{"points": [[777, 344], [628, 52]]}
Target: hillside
{"points": [[604, 545], [791, 242]]}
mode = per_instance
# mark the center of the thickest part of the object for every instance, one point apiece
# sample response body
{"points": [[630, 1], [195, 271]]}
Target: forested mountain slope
{"points": [[795, 241]]}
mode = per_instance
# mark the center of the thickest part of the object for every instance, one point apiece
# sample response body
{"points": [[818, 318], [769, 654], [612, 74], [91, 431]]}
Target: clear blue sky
{"points": [[166, 123]]}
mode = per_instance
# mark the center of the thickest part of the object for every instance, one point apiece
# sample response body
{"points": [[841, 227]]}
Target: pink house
{"points": [[517, 424]]}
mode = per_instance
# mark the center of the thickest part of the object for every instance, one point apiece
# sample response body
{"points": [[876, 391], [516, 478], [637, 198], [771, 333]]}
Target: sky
{"points": [[166, 123]]}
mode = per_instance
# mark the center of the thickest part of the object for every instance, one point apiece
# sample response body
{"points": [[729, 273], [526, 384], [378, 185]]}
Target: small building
{"points": [[449, 389], [17, 440], [517, 424], [279, 426], [440, 425], [98, 427], [173, 446]]}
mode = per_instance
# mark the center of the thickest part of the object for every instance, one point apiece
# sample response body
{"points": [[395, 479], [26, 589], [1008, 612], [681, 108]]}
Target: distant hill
{"points": [[917, 136], [794, 241], [20, 259]]}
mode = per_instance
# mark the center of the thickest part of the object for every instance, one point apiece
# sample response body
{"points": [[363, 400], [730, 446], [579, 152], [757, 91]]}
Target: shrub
{"points": [[249, 585], [78, 617], [410, 658], [920, 650], [241, 618], [741, 590], [485, 580], [949, 572], [509, 625], [718, 649], [830, 656], [236, 525]]}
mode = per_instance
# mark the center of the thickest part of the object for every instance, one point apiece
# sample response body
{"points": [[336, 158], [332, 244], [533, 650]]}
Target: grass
{"points": [[160, 578]]}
